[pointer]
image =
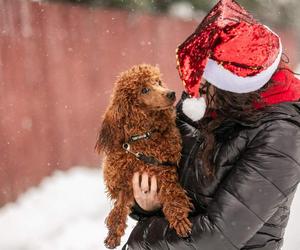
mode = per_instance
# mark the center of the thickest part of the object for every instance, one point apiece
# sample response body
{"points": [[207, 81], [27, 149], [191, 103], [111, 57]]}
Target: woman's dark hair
{"points": [[225, 106]]}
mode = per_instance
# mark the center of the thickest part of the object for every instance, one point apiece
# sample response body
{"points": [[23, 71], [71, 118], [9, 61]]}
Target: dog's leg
{"points": [[176, 207], [116, 220]]}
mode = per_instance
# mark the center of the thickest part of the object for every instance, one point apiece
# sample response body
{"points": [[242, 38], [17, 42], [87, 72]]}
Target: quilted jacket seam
{"points": [[226, 237], [244, 204], [286, 196], [285, 154]]}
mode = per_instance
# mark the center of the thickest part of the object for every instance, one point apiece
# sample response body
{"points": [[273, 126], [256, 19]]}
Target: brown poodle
{"points": [[139, 134]]}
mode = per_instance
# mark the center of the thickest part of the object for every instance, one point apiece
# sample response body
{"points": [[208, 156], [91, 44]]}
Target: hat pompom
{"points": [[194, 108]]}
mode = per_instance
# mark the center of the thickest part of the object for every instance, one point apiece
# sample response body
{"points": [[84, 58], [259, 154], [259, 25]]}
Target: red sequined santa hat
{"points": [[231, 50]]}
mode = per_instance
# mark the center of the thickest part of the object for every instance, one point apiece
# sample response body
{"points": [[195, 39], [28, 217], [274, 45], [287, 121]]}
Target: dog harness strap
{"points": [[148, 159], [167, 163], [141, 137], [151, 160]]}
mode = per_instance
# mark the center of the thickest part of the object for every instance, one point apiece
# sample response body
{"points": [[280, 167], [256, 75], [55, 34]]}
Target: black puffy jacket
{"points": [[248, 204]]}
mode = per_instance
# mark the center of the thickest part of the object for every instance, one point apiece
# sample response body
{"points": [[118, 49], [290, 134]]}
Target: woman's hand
{"points": [[146, 196]]}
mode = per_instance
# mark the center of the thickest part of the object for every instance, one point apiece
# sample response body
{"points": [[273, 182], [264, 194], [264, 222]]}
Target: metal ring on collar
{"points": [[126, 146]]}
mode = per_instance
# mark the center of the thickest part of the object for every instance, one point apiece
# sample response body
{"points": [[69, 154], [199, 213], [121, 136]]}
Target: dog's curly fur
{"points": [[132, 112]]}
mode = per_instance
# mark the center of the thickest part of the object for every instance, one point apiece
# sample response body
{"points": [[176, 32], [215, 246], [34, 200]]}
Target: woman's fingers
{"points": [[136, 185], [145, 183], [153, 187], [145, 194]]}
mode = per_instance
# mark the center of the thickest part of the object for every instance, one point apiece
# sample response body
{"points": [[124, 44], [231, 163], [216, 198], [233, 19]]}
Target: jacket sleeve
{"points": [[138, 213], [250, 194]]}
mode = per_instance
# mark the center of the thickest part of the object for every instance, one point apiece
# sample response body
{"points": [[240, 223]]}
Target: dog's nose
{"points": [[171, 95]]}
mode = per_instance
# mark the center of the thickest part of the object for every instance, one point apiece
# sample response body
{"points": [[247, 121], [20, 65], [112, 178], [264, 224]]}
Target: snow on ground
{"points": [[67, 211]]}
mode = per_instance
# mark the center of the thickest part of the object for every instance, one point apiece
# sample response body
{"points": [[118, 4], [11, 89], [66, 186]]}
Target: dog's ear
{"points": [[111, 133]]}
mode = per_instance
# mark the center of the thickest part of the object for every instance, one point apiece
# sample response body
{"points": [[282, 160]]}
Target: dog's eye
{"points": [[159, 82], [145, 90]]}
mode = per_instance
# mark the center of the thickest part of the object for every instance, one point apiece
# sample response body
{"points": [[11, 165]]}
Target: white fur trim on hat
{"points": [[194, 108], [224, 79]]}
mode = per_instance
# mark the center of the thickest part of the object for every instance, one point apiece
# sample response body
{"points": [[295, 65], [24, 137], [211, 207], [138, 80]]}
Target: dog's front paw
{"points": [[183, 227], [112, 241]]}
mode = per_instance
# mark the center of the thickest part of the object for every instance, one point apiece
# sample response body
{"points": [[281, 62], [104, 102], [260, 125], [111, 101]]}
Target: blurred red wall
{"points": [[57, 66]]}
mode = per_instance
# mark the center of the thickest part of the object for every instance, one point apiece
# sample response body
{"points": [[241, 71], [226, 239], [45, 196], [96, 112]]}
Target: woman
{"points": [[241, 162]]}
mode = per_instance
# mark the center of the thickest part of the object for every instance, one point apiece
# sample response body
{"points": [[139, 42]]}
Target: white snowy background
{"points": [[67, 211]]}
